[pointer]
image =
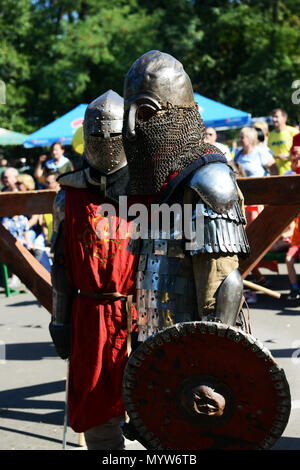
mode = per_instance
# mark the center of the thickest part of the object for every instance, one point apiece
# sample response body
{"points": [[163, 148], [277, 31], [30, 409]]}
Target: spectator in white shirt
{"points": [[211, 138]]}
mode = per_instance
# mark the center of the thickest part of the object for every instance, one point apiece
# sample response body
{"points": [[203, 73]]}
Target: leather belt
{"points": [[113, 296]]}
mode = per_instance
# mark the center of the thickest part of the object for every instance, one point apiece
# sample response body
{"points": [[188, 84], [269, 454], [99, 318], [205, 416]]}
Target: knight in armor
{"points": [[169, 162], [197, 380], [93, 279]]}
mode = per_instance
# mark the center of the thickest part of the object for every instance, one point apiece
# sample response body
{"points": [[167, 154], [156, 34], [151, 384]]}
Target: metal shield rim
{"points": [[189, 328]]}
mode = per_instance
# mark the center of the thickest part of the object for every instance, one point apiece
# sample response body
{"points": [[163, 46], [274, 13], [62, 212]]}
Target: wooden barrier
{"points": [[27, 202]]}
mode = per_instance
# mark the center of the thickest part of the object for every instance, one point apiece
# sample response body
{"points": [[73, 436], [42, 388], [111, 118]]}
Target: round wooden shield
{"points": [[164, 369]]}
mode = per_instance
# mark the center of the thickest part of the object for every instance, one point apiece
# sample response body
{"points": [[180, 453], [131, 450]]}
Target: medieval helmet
{"points": [[102, 130], [156, 80], [163, 131]]}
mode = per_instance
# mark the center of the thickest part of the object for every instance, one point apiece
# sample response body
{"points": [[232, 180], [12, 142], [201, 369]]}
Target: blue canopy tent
{"points": [[214, 114], [61, 130], [11, 138], [220, 116]]}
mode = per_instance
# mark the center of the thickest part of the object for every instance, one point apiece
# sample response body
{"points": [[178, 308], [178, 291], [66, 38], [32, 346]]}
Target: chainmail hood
{"points": [[167, 143]]}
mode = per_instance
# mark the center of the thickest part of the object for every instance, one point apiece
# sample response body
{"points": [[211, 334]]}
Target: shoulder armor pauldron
{"points": [[82, 179], [216, 186], [219, 211], [78, 179]]}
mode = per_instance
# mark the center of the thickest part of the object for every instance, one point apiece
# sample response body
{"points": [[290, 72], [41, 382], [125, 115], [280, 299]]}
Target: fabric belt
{"points": [[113, 296]]}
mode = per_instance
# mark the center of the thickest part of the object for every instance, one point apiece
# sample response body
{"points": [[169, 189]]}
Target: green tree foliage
{"points": [[14, 62], [87, 51], [253, 54], [55, 54]]}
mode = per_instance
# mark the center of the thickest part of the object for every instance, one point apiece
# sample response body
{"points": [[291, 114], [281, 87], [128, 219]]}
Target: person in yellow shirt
{"points": [[281, 139]]}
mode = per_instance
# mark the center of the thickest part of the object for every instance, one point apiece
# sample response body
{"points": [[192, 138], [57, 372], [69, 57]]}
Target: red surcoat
{"points": [[96, 264]]}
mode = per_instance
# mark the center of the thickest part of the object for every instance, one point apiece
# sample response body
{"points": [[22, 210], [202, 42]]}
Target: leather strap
{"points": [[113, 296]]}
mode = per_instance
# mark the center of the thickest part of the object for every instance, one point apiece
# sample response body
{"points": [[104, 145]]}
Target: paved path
{"points": [[32, 377], [277, 324]]}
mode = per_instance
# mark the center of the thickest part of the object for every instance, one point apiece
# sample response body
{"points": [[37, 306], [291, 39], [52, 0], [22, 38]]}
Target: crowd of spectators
{"points": [[33, 230]]}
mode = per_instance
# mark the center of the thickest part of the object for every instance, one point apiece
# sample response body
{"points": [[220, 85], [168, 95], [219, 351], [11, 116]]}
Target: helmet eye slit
{"points": [[145, 112]]}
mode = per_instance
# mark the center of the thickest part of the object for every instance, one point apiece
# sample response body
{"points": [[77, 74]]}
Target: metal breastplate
{"points": [[165, 286], [166, 292]]}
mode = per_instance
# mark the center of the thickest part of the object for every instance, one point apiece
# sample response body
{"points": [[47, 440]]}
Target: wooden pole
{"points": [[254, 286]]}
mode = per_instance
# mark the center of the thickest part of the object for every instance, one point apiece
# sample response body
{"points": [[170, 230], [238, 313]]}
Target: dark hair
{"points": [[260, 134], [57, 143], [282, 111]]}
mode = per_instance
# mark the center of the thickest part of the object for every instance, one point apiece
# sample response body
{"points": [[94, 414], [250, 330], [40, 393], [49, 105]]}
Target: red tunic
{"points": [[99, 328]]}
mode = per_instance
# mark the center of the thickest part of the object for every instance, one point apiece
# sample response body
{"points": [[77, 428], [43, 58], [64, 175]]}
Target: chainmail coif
{"points": [[168, 142]]}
